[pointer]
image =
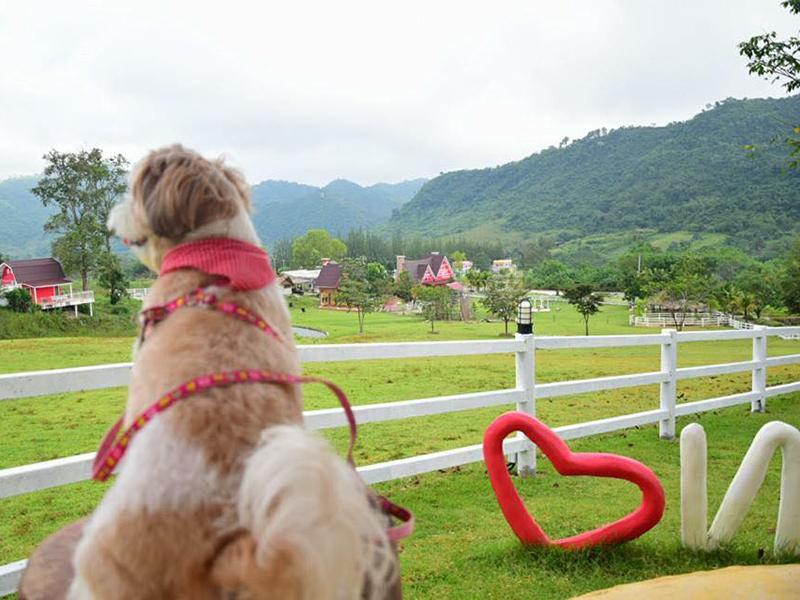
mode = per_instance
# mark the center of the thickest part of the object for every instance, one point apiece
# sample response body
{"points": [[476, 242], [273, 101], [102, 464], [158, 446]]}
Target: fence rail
{"points": [[34, 477], [64, 300], [138, 293], [689, 320]]}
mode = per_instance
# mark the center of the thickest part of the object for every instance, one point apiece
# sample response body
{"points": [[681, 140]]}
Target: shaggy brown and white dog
{"points": [[225, 495]]}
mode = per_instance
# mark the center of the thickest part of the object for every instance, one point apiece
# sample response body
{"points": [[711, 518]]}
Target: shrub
{"points": [[20, 301]]}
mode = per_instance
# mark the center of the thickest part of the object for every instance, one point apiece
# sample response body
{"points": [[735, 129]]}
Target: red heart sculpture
{"points": [[567, 462]]}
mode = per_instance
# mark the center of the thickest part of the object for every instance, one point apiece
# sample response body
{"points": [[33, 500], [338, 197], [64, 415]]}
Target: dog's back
{"points": [[225, 492]]}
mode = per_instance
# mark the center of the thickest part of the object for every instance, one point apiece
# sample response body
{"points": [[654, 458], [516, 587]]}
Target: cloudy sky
{"points": [[370, 91]]}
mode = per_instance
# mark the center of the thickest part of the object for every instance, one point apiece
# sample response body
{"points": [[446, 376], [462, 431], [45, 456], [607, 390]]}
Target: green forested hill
{"points": [[693, 177]]}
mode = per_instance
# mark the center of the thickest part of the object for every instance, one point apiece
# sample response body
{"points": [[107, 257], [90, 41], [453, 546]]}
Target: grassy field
{"points": [[462, 547]]}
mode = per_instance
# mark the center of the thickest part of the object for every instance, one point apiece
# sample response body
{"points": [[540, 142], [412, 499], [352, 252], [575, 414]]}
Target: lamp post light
{"points": [[525, 317]]}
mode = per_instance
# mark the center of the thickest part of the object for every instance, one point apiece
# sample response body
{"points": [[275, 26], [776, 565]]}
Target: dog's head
{"points": [[178, 196]]}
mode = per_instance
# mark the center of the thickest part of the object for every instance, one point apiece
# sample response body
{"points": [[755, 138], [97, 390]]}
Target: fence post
{"points": [[526, 382], [669, 388], [759, 403]]}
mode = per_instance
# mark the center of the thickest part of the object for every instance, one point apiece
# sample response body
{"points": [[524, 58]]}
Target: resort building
{"points": [[503, 264], [327, 283], [300, 280], [433, 269]]}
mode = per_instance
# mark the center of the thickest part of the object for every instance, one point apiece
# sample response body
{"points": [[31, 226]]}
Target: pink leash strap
{"points": [[201, 298], [114, 445], [405, 516]]}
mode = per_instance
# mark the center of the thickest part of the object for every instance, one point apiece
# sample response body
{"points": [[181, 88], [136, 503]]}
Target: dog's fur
{"points": [[224, 495]]}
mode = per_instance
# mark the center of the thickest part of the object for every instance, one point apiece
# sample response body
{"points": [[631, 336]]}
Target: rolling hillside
{"points": [[692, 178]]}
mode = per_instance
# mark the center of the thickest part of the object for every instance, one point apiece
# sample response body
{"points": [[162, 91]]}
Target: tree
{"points": [[378, 279], [282, 254], [109, 175], [686, 284], [550, 274], [403, 286], [776, 60], [477, 278], [355, 290], [316, 244], [725, 298], [586, 301], [113, 278], [761, 284], [83, 185], [744, 303], [503, 293], [436, 301], [458, 257], [791, 279]]}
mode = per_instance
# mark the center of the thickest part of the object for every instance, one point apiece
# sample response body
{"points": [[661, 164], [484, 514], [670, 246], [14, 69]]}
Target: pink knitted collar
{"points": [[243, 267]]}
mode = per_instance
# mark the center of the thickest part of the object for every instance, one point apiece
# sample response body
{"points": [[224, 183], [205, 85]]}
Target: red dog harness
{"points": [[114, 444]]}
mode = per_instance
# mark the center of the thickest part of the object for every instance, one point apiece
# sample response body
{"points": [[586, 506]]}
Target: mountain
{"points": [[694, 178], [284, 210], [22, 217]]}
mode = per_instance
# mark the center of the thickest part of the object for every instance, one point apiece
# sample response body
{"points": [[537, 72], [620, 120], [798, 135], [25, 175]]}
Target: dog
{"points": [[225, 495]]}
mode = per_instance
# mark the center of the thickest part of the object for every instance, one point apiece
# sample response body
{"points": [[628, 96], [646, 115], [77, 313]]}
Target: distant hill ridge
{"points": [[694, 176], [282, 209]]}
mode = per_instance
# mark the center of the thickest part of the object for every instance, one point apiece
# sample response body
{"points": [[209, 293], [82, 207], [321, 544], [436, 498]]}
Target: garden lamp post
{"points": [[526, 375], [525, 317]]}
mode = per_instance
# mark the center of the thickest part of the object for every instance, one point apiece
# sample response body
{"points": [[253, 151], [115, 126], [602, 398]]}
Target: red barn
{"points": [[45, 280]]}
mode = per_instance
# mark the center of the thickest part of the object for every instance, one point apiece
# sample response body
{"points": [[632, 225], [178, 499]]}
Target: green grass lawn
{"points": [[462, 547]]}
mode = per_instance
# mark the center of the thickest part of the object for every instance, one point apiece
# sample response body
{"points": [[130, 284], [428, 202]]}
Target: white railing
{"points": [[43, 475], [737, 324], [690, 320], [138, 293], [540, 303], [63, 300]]}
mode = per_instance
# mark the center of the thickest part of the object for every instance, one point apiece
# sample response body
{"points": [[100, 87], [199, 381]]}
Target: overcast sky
{"points": [[369, 91]]}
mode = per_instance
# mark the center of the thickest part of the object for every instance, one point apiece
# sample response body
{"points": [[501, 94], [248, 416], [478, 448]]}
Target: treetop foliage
{"points": [[309, 250], [775, 59], [82, 187], [586, 301]]}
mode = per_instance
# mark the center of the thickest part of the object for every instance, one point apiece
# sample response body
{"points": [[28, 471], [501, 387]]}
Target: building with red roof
{"points": [[433, 269], [327, 283], [44, 279]]}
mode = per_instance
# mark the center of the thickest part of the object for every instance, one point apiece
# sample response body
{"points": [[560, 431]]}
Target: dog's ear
{"points": [[236, 178], [179, 191]]}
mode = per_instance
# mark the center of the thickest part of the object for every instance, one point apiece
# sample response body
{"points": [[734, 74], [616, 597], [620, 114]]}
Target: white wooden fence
{"points": [[690, 320], [43, 475], [737, 324], [138, 293]]}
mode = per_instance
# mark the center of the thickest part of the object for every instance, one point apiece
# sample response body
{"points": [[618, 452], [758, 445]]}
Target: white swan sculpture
{"points": [[743, 488]]}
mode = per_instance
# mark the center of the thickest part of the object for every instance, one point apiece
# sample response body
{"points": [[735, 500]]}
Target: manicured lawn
{"points": [[462, 547]]}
